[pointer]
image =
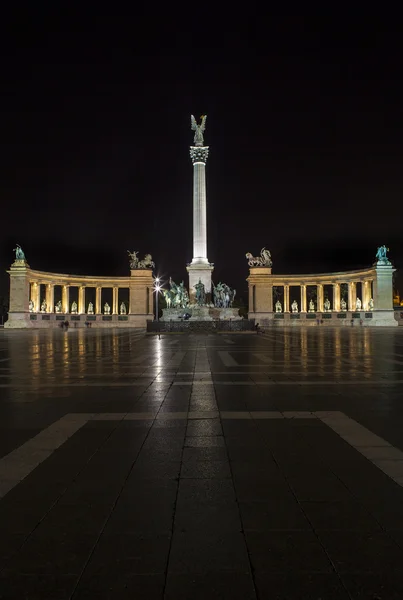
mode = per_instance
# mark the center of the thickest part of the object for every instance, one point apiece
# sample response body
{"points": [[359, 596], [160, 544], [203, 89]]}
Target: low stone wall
{"points": [[376, 318], [25, 320], [201, 313], [192, 325]]}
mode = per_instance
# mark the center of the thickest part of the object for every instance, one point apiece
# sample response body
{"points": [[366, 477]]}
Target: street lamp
{"points": [[157, 291]]}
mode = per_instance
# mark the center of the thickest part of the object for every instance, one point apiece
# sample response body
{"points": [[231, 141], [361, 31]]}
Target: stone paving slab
{"points": [[202, 466]]}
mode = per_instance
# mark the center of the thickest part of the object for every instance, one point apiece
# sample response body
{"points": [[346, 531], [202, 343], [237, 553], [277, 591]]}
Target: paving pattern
{"points": [[221, 466]]}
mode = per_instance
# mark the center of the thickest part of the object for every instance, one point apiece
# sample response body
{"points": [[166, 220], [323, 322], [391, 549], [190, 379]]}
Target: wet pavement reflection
{"points": [[201, 466]]}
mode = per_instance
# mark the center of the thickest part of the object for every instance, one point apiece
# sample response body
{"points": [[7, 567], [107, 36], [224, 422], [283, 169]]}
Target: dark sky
{"points": [[304, 126]]}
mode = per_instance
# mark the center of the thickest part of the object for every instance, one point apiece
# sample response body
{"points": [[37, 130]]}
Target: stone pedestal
{"points": [[201, 313], [198, 272], [18, 315], [383, 296], [260, 291], [142, 295]]}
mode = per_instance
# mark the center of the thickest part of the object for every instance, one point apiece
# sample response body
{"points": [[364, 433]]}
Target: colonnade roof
{"points": [[79, 280], [314, 278]]}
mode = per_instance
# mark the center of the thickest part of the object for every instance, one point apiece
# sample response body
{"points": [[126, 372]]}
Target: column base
{"points": [[199, 271]]}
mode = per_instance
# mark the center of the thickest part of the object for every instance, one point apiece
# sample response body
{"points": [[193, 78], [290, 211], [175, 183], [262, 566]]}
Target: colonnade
{"points": [[35, 297], [335, 302], [365, 293]]}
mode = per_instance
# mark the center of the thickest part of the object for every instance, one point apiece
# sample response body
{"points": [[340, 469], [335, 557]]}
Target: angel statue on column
{"points": [[199, 129]]}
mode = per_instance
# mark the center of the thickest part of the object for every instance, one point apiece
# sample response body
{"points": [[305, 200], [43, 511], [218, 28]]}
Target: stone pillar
{"points": [[366, 294], [50, 297], [199, 268], [336, 296], [303, 298], [115, 295], [18, 314], [141, 303], [286, 297], [251, 306], [319, 295], [66, 299], [98, 308], [32, 292], [270, 298], [19, 291], [81, 300], [383, 288], [352, 295], [260, 293], [38, 297]]}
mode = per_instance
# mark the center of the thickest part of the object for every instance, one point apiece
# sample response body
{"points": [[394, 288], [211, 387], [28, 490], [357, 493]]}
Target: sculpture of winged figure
{"points": [[199, 129]]}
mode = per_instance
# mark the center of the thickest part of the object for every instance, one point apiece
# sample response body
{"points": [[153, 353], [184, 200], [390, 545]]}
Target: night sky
{"points": [[304, 126]]}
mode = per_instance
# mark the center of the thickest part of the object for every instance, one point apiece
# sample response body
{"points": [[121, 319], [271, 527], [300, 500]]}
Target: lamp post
{"points": [[157, 291]]}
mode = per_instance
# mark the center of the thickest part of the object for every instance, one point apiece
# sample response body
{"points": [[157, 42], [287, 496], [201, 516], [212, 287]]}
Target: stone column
{"points": [[81, 300], [286, 297], [50, 297], [199, 268], [366, 294], [336, 296], [352, 295], [319, 297], [115, 296], [303, 298], [251, 307], [270, 298], [66, 299], [38, 297], [98, 307]]}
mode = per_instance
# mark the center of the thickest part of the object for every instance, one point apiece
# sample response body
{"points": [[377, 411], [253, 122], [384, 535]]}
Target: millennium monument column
{"points": [[199, 268]]}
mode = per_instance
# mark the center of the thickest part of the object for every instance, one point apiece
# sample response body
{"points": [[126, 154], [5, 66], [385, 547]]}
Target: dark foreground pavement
{"points": [[201, 467]]}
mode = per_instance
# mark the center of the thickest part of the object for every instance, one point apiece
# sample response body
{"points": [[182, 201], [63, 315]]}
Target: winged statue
{"points": [[199, 129]]}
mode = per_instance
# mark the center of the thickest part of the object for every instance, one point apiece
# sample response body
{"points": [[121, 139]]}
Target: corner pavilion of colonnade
{"points": [[365, 294], [32, 298]]}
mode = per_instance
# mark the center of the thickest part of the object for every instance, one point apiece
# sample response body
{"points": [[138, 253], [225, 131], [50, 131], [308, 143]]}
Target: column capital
{"points": [[199, 154]]}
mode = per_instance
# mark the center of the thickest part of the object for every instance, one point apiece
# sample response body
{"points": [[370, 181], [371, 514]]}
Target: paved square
{"points": [[201, 466]]}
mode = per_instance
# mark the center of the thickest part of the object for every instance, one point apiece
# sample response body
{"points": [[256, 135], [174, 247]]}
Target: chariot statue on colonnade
{"points": [[264, 260], [136, 263]]}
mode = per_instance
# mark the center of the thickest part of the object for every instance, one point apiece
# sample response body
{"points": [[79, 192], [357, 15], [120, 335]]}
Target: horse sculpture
{"points": [[146, 263], [264, 260]]}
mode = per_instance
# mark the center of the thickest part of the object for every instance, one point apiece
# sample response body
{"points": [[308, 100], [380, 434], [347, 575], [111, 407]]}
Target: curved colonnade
{"points": [[33, 304], [372, 287]]}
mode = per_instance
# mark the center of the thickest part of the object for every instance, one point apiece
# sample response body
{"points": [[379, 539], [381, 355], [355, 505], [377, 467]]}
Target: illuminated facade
{"points": [[333, 299], [32, 299]]}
